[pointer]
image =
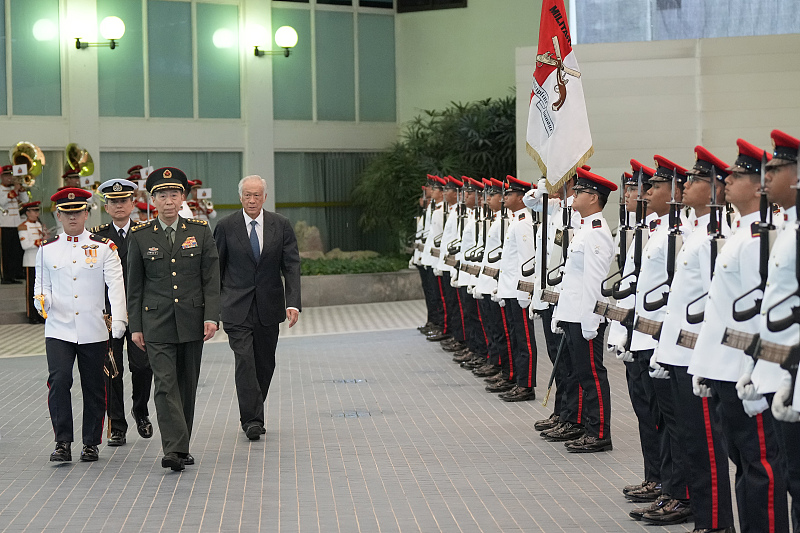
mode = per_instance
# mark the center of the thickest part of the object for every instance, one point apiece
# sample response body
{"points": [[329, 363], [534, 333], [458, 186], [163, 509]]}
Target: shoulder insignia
{"points": [[23, 226], [51, 239], [104, 240], [197, 221], [521, 216], [754, 232], [96, 229], [140, 226], [597, 223]]}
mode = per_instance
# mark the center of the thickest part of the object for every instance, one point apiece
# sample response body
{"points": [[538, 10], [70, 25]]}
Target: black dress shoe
{"points": [[639, 512], [589, 444], [143, 425], [565, 432], [646, 493], [174, 461], [463, 356], [438, 337], [547, 423], [675, 512], [500, 386], [628, 488], [729, 529], [523, 394], [253, 431], [89, 453], [486, 370], [62, 453], [453, 347], [188, 459], [117, 438]]}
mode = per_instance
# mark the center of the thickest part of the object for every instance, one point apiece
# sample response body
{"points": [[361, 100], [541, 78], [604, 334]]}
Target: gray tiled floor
{"points": [[416, 446]]}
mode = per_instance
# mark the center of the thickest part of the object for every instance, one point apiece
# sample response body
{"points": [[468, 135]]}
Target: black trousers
{"points": [[705, 453], [453, 314], [11, 252], [476, 337], [432, 303], [494, 318], [569, 396], [753, 448], [176, 370], [587, 363], [523, 343], [253, 346], [30, 310], [141, 382], [789, 437], [61, 357], [653, 436]]}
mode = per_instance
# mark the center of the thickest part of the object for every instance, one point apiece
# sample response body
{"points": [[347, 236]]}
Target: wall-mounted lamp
{"points": [[286, 38], [111, 28]]}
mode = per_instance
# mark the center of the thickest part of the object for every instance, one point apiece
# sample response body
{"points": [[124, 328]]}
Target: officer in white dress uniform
{"points": [[72, 271]]}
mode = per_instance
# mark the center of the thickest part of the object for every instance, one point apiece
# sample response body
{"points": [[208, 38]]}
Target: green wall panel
{"points": [[218, 61], [35, 57], [376, 69], [120, 72], [335, 66], [3, 36], [170, 58], [291, 76]]}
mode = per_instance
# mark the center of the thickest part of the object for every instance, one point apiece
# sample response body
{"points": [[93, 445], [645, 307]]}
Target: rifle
{"points": [[566, 236], [499, 250], [766, 234], [674, 243], [642, 233], [528, 271], [555, 365], [470, 254], [461, 214], [624, 232]]}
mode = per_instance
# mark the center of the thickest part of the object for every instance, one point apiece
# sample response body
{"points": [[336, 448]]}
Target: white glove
{"points": [[529, 199], [699, 387], [589, 334], [657, 371], [554, 327], [437, 272], [752, 408], [118, 329], [454, 281], [523, 303], [541, 188], [624, 355], [744, 386], [780, 410], [531, 312], [38, 305], [474, 292]]}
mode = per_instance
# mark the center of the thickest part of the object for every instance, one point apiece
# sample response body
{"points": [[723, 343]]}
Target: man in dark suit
{"points": [[173, 282], [256, 248], [118, 194]]}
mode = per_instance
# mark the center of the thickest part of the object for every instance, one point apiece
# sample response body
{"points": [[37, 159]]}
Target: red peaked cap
{"points": [[30, 205], [517, 185], [453, 183], [648, 172], [749, 159], [704, 161], [70, 174], [7, 169], [497, 185], [586, 167], [784, 149], [472, 184], [431, 180], [135, 169], [589, 180], [664, 170], [436, 181], [143, 206], [71, 199]]}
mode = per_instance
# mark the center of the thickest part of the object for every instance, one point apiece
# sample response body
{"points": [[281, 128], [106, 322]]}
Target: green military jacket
{"points": [[172, 291]]}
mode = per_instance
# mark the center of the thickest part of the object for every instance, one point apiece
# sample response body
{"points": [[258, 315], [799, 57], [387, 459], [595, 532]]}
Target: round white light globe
{"points": [[223, 38], [286, 37], [112, 28], [44, 30]]}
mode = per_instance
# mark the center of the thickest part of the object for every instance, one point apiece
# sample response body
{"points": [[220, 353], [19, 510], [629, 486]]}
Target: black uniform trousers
{"points": [[176, 369], [253, 346], [476, 337], [453, 314], [30, 310], [653, 436], [61, 357], [432, 301], [523, 343], [568, 400], [587, 363], [789, 439], [753, 448], [11, 252], [706, 453], [141, 382], [494, 319]]}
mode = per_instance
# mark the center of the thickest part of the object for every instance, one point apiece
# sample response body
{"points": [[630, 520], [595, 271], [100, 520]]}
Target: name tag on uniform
{"points": [[190, 242], [152, 251]]}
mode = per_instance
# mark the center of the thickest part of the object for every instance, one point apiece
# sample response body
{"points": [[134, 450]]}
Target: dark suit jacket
{"points": [[245, 277], [172, 291], [110, 232]]}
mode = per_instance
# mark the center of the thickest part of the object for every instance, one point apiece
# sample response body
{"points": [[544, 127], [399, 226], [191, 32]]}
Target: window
{"points": [[407, 6], [35, 58]]}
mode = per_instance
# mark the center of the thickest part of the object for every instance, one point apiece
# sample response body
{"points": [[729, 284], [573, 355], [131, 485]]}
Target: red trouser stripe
{"points": [[483, 329], [580, 403], [461, 312], [508, 344], [712, 459], [444, 306], [530, 350], [599, 392], [762, 446]]}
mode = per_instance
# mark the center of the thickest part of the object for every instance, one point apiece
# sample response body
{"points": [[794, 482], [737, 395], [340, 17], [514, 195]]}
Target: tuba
{"points": [[30, 155], [79, 160]]}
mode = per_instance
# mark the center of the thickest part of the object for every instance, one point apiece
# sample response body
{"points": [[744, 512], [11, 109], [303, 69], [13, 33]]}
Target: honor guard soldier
{"points": [[31, 236], [589, 258], [12, 196], [174, 306], [118, 195], [73, 269], [446, 273], [717, 362], [432, 243], [422, 222]]}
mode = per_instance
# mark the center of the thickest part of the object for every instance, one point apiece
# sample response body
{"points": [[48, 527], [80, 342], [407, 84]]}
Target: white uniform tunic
{"points": [[781, 282], [467, 242], [735, 272], [590, 254], [30, 238], [435, 229], [10, 202], [486, 284], [692, 279], [517, 249], [449, 237], [72, 273]]}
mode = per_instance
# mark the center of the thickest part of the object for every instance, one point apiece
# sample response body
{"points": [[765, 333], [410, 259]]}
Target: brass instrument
{"points": [[30, 155], [206, 205], [79, 160]]}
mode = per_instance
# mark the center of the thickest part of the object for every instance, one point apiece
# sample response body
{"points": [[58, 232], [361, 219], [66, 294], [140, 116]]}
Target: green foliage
{"points": [[477, 139], [322, 267]]}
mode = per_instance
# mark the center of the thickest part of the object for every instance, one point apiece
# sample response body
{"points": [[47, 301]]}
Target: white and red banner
{"points": [[558, 136]]}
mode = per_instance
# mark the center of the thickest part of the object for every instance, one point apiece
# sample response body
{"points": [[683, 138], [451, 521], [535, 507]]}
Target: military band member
{"points": [[73, 269], [748, 425], [590, 254], [118, 194], [145, 212], [12, 196], [174, 306], [204, 207], [31, 236]]}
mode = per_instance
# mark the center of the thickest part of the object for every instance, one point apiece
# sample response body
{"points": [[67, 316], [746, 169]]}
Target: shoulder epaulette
{"points": [[101, 227], [197, 221], [51, 239], [597, 223], [104, 240], [140, 226], [23, 226]]}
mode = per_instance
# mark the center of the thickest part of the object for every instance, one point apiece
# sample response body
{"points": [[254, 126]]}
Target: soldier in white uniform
{"points": [[12, 196], [447, 274], [31, 236], [748, 425], [434, 232], [72, 271], [589, 258]]}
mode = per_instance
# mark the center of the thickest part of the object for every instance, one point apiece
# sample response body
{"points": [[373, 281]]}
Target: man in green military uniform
{"points": [[173, 306]]}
